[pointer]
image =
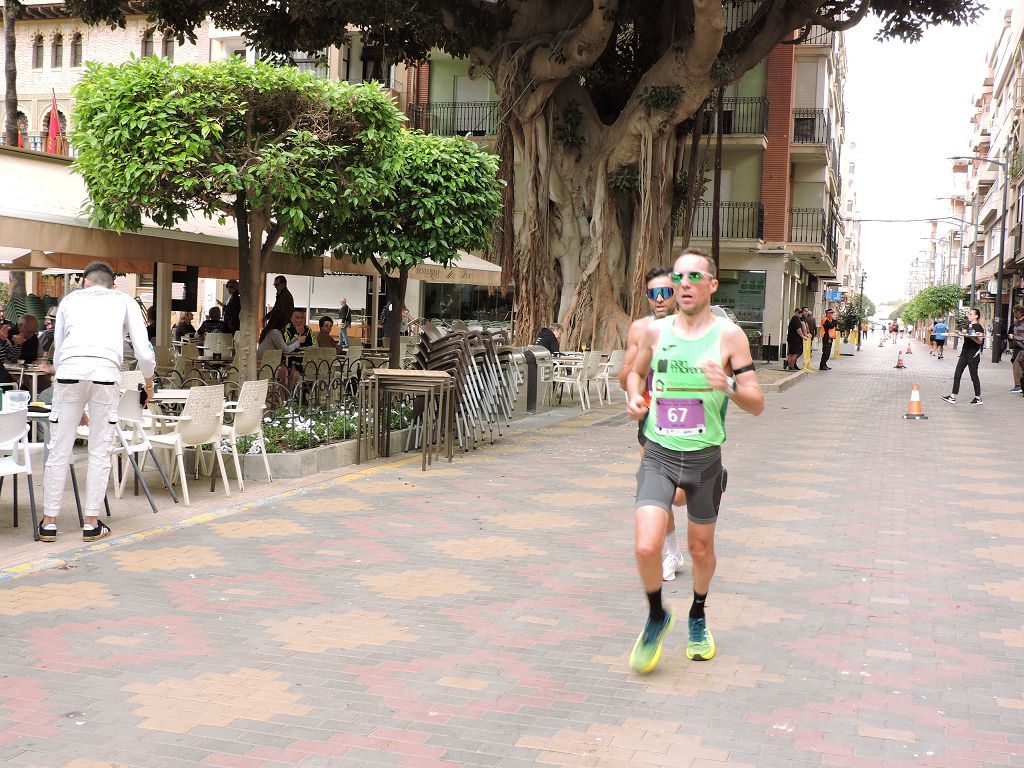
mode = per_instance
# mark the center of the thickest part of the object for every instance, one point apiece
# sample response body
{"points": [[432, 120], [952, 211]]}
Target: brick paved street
{"points": [[867, 607]]}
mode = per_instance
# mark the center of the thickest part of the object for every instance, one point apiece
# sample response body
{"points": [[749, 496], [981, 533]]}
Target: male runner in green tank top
{"points": [[700, 362], [661, 296]]}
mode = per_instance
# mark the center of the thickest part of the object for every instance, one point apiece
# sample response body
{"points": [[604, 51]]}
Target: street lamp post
{"points": [[860, 310], [997, 318]]}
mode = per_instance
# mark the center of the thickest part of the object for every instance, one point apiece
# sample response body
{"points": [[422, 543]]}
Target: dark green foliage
{"points": [[567, 127], [661, 98], [625, 179]]}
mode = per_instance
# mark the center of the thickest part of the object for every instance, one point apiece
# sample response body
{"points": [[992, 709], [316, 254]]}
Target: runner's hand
{"points": [[637, 408], [715, 374]]}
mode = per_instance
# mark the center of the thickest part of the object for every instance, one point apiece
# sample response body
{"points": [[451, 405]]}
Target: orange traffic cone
{"points": [[899, 361], [908, 349], [914, 410]]}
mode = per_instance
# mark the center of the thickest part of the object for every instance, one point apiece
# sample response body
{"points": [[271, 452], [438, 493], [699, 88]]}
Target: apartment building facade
{"points": [[53, 48], [991, 174]]}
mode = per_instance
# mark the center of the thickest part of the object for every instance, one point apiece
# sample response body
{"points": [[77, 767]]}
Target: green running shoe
{"points": [[647, 650], [701, 645]]}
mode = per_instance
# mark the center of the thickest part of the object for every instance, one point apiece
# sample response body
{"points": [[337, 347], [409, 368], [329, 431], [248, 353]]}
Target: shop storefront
{"points": [[743, 292], [481, 304]]}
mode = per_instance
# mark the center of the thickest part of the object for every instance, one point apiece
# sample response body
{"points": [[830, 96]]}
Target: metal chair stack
{"points": [[486, 378]]}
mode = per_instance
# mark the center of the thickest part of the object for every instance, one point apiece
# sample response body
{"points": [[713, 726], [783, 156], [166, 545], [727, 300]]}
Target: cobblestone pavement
{"points": [[867, 608]]}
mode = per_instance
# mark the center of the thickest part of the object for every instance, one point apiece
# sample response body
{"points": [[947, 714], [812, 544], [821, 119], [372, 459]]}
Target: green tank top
{"points": [[686, 414]]}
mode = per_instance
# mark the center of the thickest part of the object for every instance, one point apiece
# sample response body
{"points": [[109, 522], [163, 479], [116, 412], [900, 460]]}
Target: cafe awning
{"points": [[40, 215], [468, 270]]}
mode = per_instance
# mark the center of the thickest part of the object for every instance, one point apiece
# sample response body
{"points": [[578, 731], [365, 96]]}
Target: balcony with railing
{"points": [[818, 35], [738, 13], [811, 227], [740, 115], [455, 118], [737, 221], [811, 126]]}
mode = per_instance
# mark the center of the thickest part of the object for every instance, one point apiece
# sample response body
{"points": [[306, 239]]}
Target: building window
{"points": [[315, 62], [147, 43], [375, 66], [76, 50], [57, 52], [168, 47], [37, 52]]}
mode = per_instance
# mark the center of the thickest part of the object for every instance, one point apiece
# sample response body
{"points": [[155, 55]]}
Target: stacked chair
{"points": [[487, 380]]}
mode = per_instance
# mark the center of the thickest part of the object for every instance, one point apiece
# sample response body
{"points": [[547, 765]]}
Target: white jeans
{"points": [[69, 403]]}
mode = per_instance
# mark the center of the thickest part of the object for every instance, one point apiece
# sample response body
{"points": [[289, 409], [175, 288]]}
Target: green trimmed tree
{"points": [[446, 198], [284, 153], [933, 301], [596, 116]]}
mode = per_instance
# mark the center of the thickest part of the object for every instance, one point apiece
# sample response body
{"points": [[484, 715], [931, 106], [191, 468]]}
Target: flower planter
{"points": [[295, 464]]}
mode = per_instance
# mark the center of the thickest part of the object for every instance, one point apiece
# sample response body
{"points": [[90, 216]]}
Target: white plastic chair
{"points": [[610, 369], [576, 376], [14, 440], [591, 374], [200, 423], [132, 422], [248, 412]]}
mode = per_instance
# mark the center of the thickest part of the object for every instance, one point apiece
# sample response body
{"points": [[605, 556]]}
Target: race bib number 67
{"points": [[679, 416]]}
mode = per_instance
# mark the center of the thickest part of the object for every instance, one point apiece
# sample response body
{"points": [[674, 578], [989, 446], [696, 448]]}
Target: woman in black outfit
{"points": [[970, 357]]}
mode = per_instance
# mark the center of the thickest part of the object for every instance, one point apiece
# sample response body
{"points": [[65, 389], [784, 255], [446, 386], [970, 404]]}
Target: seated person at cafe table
{"points": [[20, 344], [184, 326], [272, 338], [550, 337], [297, 328], [212, 323], [324, 338], [46, 335]]}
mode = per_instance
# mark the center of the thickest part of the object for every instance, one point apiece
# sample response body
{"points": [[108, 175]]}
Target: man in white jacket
{"points": [[88, 349]]}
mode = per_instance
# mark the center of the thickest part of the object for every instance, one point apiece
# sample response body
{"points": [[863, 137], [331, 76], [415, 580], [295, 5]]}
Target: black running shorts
{"points": [[699, 473], [640, 436]]}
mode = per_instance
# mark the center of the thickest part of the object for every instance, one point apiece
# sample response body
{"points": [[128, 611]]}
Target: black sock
{"points": [[697, 609], [657, 610]]}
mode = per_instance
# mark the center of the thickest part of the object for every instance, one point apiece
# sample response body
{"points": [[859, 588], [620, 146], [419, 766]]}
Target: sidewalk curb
{"points": [[785, 383]]}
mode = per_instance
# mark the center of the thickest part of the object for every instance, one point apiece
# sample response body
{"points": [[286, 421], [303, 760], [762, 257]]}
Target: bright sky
{"points": [[908, 109]]}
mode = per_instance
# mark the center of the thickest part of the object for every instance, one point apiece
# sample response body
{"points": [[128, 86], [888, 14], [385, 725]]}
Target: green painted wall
{"points": [[746, 178], [443, 71], [753, 83]]}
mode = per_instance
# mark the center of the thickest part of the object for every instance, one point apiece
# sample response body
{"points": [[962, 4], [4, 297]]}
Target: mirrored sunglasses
{"points": [[693, 277], [661, 292]]}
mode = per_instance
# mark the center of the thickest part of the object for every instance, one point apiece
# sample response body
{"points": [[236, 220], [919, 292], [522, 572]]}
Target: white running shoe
{"points": [[670, 566]]}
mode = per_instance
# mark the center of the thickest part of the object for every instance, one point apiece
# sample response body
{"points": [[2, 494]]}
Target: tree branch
{"points": [[776, 26], [687, 68], [578, 49], [841, 26]]}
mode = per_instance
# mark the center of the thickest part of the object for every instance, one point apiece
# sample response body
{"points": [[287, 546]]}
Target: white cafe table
{"points": [[33, 372], [162, 396]]}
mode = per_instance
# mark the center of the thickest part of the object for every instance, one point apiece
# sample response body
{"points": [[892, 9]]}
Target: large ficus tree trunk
{"points": [[597, 182]]}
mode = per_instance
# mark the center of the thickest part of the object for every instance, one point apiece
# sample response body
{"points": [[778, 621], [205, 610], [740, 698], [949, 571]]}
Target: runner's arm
{"points": [[736, 355], [633, 339], [636, 375]]}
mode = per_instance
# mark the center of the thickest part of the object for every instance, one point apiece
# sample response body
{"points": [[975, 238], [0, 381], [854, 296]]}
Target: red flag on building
{"points": [[53, 137]]}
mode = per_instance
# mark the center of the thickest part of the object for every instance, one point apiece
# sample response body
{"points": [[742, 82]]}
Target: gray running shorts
{"points": [[699, 473]]}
